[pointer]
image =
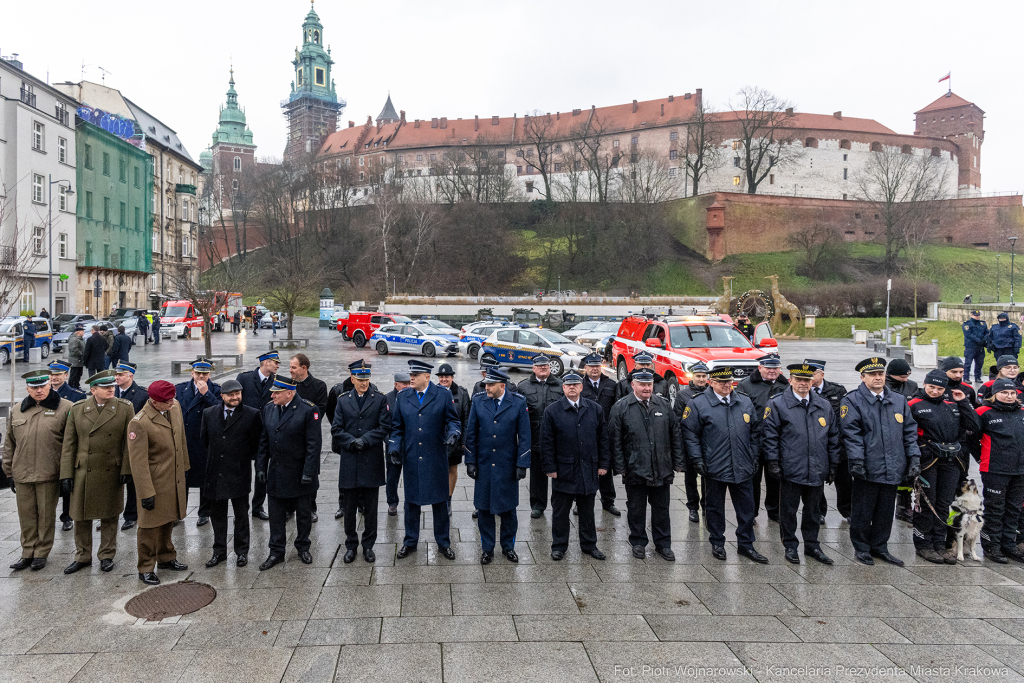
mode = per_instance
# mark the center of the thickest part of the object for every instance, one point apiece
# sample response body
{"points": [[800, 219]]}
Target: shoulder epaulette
{"points": [[308, 403], [125, 401]]}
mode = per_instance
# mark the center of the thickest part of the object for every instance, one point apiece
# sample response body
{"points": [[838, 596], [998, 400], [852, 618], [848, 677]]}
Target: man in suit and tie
{"points": [[230, 433], [195, 396], [256, 394], [137, 396]]}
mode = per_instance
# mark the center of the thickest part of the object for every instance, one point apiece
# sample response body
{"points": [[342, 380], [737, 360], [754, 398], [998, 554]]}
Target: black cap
{"points": [[870, 365], [898, 366], [805, 370], [1002, 384], [445, 369], [1002, 316], [937, 378], [951, 363], [1003, 361]]}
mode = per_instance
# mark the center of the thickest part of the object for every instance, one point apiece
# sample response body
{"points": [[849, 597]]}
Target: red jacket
{"points": [[1002, 438]]}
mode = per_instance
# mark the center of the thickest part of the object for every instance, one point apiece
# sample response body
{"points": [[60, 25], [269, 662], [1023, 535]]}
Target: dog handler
{"points": [[1001, 461]]}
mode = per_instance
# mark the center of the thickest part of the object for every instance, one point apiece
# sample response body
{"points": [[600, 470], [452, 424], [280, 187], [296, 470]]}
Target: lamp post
{"points": [[49, 236], [1013, 245]]}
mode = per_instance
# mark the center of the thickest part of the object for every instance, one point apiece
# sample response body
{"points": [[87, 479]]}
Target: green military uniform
{"points": [[32, 462], [95, 460]]}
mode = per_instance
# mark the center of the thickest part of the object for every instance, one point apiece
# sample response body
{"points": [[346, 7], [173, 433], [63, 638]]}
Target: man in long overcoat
{"points": [[137, 396], [360, 424], [497, 457], [230, 433], [195, 396], [159, 461], [256, 394], [601, 389], [58, 380], [424, 423], [94, 468]]}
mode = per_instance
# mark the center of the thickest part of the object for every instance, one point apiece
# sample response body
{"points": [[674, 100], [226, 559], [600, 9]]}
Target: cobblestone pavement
{"points": [[426, 618]]}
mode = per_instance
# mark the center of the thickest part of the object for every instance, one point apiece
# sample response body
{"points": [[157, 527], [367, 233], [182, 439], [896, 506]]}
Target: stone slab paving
{"points": [[426, 618]]}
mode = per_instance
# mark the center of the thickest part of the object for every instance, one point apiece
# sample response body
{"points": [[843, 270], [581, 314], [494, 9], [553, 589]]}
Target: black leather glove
{"points": [[452, 440], [148, 503], [471, 471], [699, 467], [13, 490], [67, 486], [124, 479], [857, 470], [395, 458], [914, 470], [773, 468], [261, 477], [520, 473], [306, 479], [358, 445], [831, 474]]}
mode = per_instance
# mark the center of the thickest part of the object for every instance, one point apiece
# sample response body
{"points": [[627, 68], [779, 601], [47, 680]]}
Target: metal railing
{"points": [[8, 258], [62, 115], [28, 97]]}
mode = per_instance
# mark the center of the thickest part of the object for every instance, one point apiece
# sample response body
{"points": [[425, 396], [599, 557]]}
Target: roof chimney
{"points": [[433, 122], [416, 123], [558, 115], [789, 111], [671, 98], [838, 115], [401, 116], [686, 96], [444, 122], [351, 124], [476, 122], [663, 109], [576, 112], [634, 106], [494, 120]]}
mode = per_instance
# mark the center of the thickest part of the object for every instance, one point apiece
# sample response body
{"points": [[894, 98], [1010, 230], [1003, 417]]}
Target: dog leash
{"points": [[919, 491]]}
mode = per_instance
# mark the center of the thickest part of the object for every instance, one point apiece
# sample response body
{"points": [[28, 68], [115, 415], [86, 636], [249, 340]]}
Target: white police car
{"points": [[514, 347], [411, 339], [475, 334]]}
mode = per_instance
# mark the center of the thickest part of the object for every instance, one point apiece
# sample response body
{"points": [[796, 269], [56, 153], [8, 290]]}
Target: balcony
{"points": [[28, 97], [8, 258], [185, 189], [62, 115]]}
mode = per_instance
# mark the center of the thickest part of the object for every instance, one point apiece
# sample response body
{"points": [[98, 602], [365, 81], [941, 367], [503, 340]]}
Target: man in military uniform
{"points": [[137, 396], [833, 393], [159, 461], [497, 456], [32, 450], [722, 445], [230, 433], [1004, 338], [446, 379], [58, 380], [95, 467], [540, 391], [975, 341], [642, 360], [880, 435], [195, 396], [601, 389], [360, 425], [310, 388], [800, 441], [256, 394], [697, 385], [393, 470], [288, 462], [767, 381], [424, 423]]}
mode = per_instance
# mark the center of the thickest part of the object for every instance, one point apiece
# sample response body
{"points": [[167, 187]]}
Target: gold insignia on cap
{"points": [[875, 361], [843, 410], [899, 417], [806, 367], [746, 418], [822, 422]]}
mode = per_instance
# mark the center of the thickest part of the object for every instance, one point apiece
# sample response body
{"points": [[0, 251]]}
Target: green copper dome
{"points": [[232, 128], [206, 159]]}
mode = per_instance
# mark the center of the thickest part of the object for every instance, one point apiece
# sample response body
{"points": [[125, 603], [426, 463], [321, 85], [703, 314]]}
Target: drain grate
{"points": [[171, 600]]}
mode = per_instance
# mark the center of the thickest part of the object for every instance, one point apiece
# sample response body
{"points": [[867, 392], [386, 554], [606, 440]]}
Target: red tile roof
{"points": [[946, 102], [824, 122]]}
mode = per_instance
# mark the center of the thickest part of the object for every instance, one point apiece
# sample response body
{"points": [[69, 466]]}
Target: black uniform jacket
{"points": [[230, 449], [604, 395], [136, 394], [254, 393], [941, 422], [370, 422], [463, 402], [646, 445], [1001, 436], [315, 391], [625, 387], [759, 391], [74, 395], [722, 436], [804, 441], [574, 445], [290, 448], [882, 434], [539, 395]]}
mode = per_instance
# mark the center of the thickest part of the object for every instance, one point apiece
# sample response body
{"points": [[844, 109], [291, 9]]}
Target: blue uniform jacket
{"points": [[723, 436], [71, 394], [192, 406], [418, 435], [804, 441], [290, 448], [497, 443], [880, 434], [254, 393], [975, 333], [1005, 337]]}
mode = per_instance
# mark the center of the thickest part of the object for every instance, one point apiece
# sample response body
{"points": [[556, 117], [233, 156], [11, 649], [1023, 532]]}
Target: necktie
{"points": [[420, 395], [280, 410], [804, 401], [647, 405], [227, 414]]}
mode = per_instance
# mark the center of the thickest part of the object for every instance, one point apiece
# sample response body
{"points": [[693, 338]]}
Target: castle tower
{"points": [[232, 151], [313, 107], [963, 122]]}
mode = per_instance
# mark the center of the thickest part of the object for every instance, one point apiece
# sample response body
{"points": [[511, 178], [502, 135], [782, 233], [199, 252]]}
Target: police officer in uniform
{"points": [[256, 394], [697, 385], [1004, 338], [1001, 463], [137, 396], [642, 360], [800, 441], [288, 462], [195, 396], [394, 471], [497, 456], [29, 340], [58, 380], [975, 342], [540, 391], [723, 446], [764, 383], [463, 401], [833, 393], [601, 389], [1006, 368], [880, 436]]}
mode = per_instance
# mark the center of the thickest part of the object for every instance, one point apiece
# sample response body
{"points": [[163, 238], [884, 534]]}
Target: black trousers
{"points": [[204, 504], [693, 499], [1004, 495], [278, 512], [605, 484], [365, 498], [637, 498], [75, 378], [771, 491], [843, 484], [929, 530], [219, 520], [561, 503], [871, 516], [131, 503], [790, 496], [742, 494], [394, 474], [538, 483]]}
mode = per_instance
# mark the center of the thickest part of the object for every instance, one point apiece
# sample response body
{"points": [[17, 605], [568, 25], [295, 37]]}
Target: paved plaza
{"points": [[425, 618]]}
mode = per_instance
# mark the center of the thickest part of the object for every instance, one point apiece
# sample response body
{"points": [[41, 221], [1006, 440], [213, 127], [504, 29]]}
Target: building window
{"points": [[123, 215], [234, 185], [633, 158], [238, 164], [106, 209], [184, 209], [811, 142], [558, 149], [558, 168], [673, 136], [62, 197], [672, 154], [844, 156], [382, 159], [88, 156], [844, 144], [401, 158], [771, 178], [39, 241], [519, 153], [735, 180], [348, 161], [531, 169], [529, 187], [419, 157], [433, 157], [136, 170], [62, 245], [184, 245], [28, 297], [362, 176], [37, 188], [736, 162], [62, 150], [635, 140], [122, 170], [735, 144], [320, 76], [156, 241], [38, 131], [845, 171], [615, 143], [519, 170], [876, 146], [529, 153], [673, 172], [138, 220], [106, 164], [88, 204], [88, 253], [360, 161]]}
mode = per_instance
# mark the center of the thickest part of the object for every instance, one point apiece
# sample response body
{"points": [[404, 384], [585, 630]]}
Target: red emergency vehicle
{"points": [[357, 326]]}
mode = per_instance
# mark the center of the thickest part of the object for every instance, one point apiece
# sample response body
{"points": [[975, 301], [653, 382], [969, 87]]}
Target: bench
{"points": [[177, 365], [289, 344], [231, 360]]}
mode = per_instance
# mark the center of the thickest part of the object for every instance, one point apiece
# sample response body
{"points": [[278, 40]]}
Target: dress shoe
{"points": [[173, 565], [863, 558], [339, 514], [270, 562], [949, 557], [792, 556], [368, 555], [595, 553], [536, 513], [930, 555], [476, 513], [753, 555], [260, 513], [315, 518], [612, 510], [575, 509], [215, 560], [202, 521], [241, 560], [128, 524], [694, 516], [448, 552], [106, 565], [38, 563], [23, 563], [405, 550], [149, 578], [1014, 554], [350, 556], [68, 525], [886, 556], [557, 555], [666, 553], [817, 554], [393, 511], [486, 558], [305, 557], [718, 552], [994, 554], [75, 566], [639, 552], [510, 555]]}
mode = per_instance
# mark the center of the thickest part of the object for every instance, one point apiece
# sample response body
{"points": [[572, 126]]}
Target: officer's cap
{"points": [[643, 357], [445, 369], [698, 367], [496, 375], [722, 374], [804, 370], [593, 359], [402, 377], [818, 364], [770, 360], [418, 366], [541, 359], [201, 365], [951, 363], [125, 366], [572, 377], [282, 383], [359, 368], [936, 378], [643, 376], [104, 378], [1003, 361], [230, 385], [1002, 316], [975, 312], [1003, 384], [59, 366], [870, 365], [36, 378], [269, 355]]}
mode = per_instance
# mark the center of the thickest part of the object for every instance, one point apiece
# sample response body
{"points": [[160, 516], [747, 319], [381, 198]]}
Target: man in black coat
{"points": [[394, 471], [156, 329], [540, 391], [833, 393], [230, 433], [697, 385], [574, 454], [360, 425], [94, 357], [130, 391], [195, 396], [897, 378], [256, 394], [463, 402], [601, 389], [288, 462], [764, 383], [144, 328], [310, 388], [121, 347]]}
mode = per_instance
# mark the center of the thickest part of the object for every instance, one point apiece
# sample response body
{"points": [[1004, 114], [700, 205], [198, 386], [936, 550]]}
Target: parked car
{"points": [[580, 328], [59, 321], [12, 341], [359, 326], [124, 313], [411, 339], [267, 322], [473, 335], [591, 338], [131, 327], [438, 326], [515, 347], [60, 340]]}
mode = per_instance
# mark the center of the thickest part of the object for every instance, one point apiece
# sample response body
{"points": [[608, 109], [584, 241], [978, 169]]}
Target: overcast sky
{"points": [[460, 58]]}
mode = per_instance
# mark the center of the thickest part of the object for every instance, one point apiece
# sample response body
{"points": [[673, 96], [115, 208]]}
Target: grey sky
{"points": [[871, 59]]}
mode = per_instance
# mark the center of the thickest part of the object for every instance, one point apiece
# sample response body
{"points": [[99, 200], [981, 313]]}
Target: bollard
{"points": [[913, 340], [898, 335]]}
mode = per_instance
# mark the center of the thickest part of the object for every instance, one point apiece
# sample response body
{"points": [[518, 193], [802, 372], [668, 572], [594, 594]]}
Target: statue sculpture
{"points": [[783, 305], [724, 303]]}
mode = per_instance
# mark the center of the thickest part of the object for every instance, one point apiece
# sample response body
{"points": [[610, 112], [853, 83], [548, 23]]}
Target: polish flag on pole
{"points": [[946, 77]]}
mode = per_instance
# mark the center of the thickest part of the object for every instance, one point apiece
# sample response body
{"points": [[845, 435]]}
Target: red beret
{"points": [[161, 391]]}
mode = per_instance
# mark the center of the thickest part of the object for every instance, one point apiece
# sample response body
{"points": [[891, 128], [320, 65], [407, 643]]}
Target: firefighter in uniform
{"points": [[833, 393], [975, 341], [601, 389], [540, 391], [764, 383], [1001, 462], [698, 384], [256, 394]]}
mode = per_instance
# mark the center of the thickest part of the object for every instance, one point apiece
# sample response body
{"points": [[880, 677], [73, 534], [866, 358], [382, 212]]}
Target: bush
{"points": [[865, 299]]}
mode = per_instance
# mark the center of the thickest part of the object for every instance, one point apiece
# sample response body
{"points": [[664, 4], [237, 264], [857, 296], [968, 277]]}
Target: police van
{"points": [[515, 347], [412, 338], [12, 337]]}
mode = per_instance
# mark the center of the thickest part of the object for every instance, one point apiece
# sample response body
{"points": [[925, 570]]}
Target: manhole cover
{"points": [[171, 600]]}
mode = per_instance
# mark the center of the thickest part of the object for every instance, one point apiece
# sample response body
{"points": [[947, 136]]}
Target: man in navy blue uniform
{"points": [[424, 423], [698, 385], [394, 472], [288, 462], [601, 389], [497, 456], [58, 381], [256, 394], [195, 396], [29, 341], [975, 341], [1004, 338], [130, 391]]}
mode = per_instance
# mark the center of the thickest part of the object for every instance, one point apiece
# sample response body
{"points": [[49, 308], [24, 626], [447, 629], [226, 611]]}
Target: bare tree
{"points": [[766, 136], [537, 146], [703, 151], [208, 293], [473, 172], [646, 180], [823, 247], [294, 282], [597, 154]]}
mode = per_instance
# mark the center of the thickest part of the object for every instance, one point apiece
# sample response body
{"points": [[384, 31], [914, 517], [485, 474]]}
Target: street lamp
{"points": [[1013, 244], [49, 235]]}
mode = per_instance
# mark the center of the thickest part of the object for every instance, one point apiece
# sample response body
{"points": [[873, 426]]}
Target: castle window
{"points": [[845, 172], [935, 151], [519, 170], [672, 172], [298, 77], [360, 161], [845, 156], [615, 143], [234, 185], [844, 144], [673, 136], [529, 186], [672, 154], [558, 168], [771, 178], [736, 162], [316, 37], [635, 140], [735, 180], [400, 157], [238, 164], [433, 157], [558, 149], [320, 76], [811, 142], [906, 150], [419, 157], [876, 146]]}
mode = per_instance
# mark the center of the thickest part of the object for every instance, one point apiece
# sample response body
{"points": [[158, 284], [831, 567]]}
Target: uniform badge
{"points": [[686, 412], [767, 412], [131, 436], [843, 410], [746, 418], [316, 415], [822, 422], [899, 417], [967, 327]]}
